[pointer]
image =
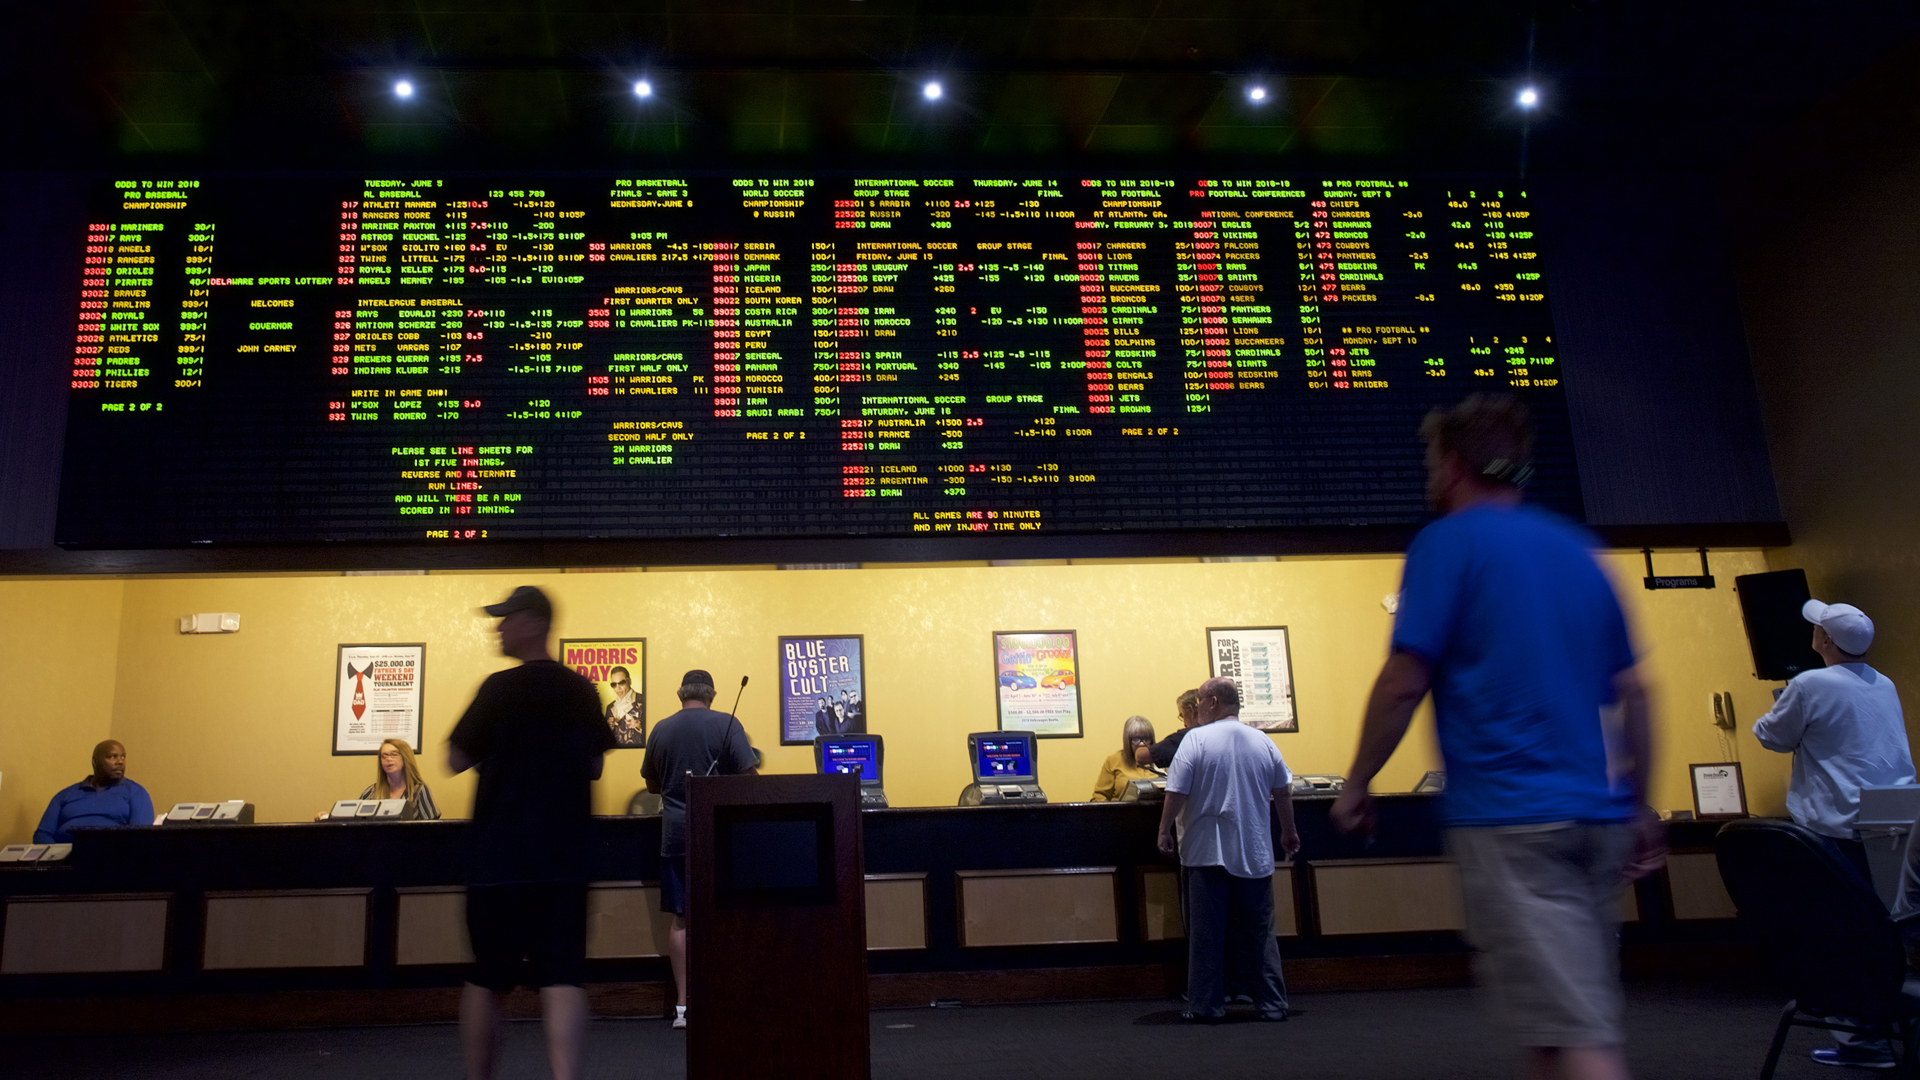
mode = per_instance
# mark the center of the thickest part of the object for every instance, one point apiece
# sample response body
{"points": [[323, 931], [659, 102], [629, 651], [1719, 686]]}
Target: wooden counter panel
{"points": [[624, 921], [1387, 896], [61, 935], [431, 927], [1038, 907], [1698, 892], [1160, 903], [896, 911], [322, 928]]}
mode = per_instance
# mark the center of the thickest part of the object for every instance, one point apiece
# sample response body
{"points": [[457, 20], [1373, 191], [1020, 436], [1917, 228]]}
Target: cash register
{"points": [[860, 755], [1005, 770]]}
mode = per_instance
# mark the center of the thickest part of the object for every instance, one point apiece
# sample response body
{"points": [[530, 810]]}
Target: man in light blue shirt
{"points": [[106, 798], [1843, 726]]}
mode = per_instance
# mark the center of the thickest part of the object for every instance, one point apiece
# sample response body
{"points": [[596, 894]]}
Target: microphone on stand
{"points": [[725, 740]]}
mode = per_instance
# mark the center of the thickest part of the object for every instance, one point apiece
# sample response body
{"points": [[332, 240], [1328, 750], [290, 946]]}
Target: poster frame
{"points": [[1079, 698], [1293, 687], [780, 649], [419, 694], [645, 649], [1739, 783]]}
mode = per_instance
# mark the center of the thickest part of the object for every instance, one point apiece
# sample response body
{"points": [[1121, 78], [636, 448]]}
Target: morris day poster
{"points": [[617, 668], [377, 691], [1039, 682], [1260, 663], [823, 688]]}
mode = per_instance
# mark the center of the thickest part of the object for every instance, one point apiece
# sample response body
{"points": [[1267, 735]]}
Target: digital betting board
{"points": [[461, 358]]}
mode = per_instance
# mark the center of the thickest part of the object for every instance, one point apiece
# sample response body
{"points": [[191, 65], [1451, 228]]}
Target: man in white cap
{"points": [[1843, 726]]}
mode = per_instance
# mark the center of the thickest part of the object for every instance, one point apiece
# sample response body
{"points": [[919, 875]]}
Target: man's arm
{"points": [[1170, 813], [1283, 810], [1403, 682], [1781, 728], [1161, 753], [1650, 840], [142, 805], [50, 821], [458, 760]]}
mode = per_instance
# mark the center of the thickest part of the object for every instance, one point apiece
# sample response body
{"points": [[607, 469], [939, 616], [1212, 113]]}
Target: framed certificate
{"points": [[1260, 662], [377, 693], [1039, 682], [1718, 791]]}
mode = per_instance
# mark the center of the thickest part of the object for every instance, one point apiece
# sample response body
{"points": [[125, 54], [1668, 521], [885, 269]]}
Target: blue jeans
{"points": [[1231, 916]]}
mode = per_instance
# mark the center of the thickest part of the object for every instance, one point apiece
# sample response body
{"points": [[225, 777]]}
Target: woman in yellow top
{"points": [[1127, 763]]}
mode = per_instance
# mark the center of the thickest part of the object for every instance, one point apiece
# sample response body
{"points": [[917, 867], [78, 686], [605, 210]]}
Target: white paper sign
{"points": [[377, 696], [1256, 658], [1716, 790]]}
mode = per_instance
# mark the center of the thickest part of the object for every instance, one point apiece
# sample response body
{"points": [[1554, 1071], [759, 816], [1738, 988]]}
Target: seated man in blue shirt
{"points": [[105, 798]]}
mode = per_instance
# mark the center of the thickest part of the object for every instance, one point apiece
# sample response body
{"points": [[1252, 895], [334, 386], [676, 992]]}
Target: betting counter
{"points": [[987, 903]]}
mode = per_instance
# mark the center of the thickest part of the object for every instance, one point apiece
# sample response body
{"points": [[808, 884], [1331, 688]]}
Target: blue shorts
{"points": [[673, 884]]}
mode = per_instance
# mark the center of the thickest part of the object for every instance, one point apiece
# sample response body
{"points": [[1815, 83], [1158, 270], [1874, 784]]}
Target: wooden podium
{"points": [[777, 929]]}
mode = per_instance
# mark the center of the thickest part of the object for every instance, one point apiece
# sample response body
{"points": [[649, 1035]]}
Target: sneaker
{"points": [[1852, 1059], [679, 1017]]}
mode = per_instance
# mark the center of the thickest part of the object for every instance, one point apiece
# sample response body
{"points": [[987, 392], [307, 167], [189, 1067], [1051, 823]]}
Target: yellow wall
{"points": [[247, 715], [56, 690]]}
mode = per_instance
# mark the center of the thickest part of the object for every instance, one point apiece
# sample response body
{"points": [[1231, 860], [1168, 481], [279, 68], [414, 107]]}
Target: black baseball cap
{"points": [[696, 677], [524, 598]]}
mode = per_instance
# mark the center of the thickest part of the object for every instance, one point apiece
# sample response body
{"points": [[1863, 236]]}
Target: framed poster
{"points": [[1718, 791], [823, 687], [617, 667], [377, 693], [1039, 677], [1260, 662]]}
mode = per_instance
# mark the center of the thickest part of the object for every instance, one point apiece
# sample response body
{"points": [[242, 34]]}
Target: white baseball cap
{"points": [[1847, 625]]}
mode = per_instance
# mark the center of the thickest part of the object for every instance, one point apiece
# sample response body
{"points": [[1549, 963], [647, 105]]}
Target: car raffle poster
{"points": [[617, 668], [823, 689], [1038, 672], [1258, 661], [377, 692]]}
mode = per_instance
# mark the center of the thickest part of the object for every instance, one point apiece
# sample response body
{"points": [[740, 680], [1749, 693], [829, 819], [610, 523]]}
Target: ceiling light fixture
{"points": [[932, 91], [1528, 98], [403, 89], [642, 89], [1256, 94]]}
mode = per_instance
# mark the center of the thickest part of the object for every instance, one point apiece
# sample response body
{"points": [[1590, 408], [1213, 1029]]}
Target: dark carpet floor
{"points": [[1673, 1031]]}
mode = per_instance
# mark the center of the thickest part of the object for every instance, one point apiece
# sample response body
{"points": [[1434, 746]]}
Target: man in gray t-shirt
{"points": [[696, 741]]}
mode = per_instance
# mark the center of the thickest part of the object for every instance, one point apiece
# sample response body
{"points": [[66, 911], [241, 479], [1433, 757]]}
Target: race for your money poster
{"points": [[377, 692], [1039, 682], [617, 668], [1259, 662], [823, 687]]}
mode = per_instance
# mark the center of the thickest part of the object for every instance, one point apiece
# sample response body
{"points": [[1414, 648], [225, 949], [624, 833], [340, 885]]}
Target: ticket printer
{"points": [[1005, 770], [231, 812]]}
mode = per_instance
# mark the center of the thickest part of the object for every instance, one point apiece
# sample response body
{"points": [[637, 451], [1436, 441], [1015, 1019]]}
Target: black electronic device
{"points": [[1006, 769], [1318, 784], [1781, 639], [1145, 789], [235, 338], [1432, 782], [858, 755]]}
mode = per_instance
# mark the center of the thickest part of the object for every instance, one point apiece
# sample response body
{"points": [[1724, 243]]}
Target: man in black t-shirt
{"points": [[700, 741], [536, 736]]}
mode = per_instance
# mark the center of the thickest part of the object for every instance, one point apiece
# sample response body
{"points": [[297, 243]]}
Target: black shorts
{"points": [[528, 934], [673, 884]]}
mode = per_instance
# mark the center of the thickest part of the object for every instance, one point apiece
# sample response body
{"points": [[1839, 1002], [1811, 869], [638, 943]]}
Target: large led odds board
{"points": [[460, 358]]}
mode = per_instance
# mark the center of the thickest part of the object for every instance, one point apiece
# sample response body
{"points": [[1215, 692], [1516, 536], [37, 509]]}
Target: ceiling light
{"points": [[932, 91], [642, 89], [1528, 98], [403, 89], [1256, 94]]}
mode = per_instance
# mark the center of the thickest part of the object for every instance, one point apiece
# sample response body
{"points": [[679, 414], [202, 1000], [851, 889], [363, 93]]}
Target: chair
{"points": [[1823, 931]]}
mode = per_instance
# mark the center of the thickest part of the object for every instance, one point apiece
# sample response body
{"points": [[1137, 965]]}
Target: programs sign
{"points": [[1039, 675], [1258, 661], [377, 696]]}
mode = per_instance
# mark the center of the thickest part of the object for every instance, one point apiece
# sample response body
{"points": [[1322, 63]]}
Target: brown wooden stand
{"points": [[777, 931]]}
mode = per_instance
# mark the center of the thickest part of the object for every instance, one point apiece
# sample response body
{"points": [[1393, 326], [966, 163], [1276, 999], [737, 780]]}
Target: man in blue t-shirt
{"points": [[105, 799], [1505, 616]]}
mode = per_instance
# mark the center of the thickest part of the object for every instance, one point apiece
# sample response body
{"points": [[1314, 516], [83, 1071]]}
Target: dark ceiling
{"points": [[302, 83]]}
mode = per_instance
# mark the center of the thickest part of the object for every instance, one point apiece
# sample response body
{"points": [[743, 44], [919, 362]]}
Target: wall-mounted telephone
{"points": [[1723, 711]]}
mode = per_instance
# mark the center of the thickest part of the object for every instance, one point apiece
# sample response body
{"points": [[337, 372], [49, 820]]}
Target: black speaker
{"points": [[1782, 641]]}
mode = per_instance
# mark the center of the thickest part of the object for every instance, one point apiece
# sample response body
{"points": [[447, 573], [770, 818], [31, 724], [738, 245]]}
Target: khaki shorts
{"points": [[1543, 909]]}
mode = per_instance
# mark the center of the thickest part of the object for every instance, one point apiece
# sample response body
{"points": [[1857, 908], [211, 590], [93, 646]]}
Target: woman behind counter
{"points": [[399, 778], [1130, 762]]}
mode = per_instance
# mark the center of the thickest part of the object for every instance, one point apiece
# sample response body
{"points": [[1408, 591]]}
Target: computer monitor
{"points": [[861, 755], [1003, 756]]}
